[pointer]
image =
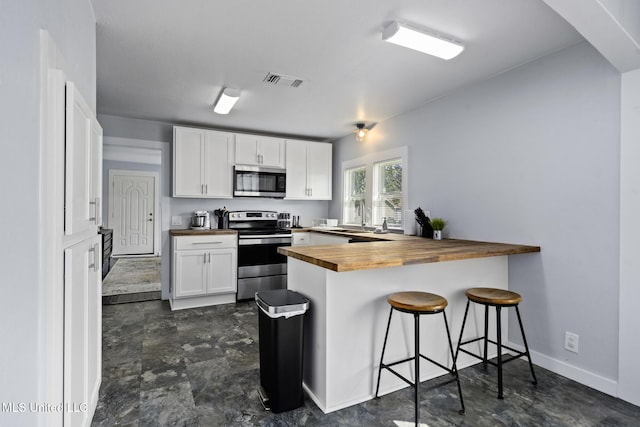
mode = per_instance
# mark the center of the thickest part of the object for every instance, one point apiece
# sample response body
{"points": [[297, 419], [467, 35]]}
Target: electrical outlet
{"points": [[571, 341], [176, 220]]}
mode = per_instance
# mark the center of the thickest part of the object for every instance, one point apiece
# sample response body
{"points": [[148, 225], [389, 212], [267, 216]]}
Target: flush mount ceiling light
{"points": [[422, 40], [226, 100], [361, 132]]}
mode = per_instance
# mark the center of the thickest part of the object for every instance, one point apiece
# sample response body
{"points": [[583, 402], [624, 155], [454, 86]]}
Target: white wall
{"points": [[529, 156], [72, 25], [629, 370]]}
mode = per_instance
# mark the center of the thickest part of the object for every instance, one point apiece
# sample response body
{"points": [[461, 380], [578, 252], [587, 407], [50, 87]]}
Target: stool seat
{"points": [[420, 302], [493, 296]]}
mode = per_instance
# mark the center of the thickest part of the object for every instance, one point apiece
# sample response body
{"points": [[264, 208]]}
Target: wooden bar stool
{"points": [[418, 303], [498, 298]]}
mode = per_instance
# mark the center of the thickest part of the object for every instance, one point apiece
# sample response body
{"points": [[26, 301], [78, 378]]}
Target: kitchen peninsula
{"points": [[348, 285]]}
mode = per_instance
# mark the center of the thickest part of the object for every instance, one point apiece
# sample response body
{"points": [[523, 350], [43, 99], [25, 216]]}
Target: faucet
{"points": [[363, 214]]}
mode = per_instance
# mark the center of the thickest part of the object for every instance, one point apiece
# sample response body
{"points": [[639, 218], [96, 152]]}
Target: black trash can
{"points": [[281, 334]]}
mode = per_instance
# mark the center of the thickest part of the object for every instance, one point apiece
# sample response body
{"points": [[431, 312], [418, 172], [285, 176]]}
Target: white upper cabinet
{"points": [[83, 165], [309, 170], [202, 163], [260, 151], [96, 171]]}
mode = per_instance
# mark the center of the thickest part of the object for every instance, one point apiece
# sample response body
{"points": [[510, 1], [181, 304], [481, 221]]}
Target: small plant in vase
{"points": [[438, 225]]}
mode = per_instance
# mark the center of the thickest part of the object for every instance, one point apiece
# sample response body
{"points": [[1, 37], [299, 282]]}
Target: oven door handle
{"points": [[265, 236], [264, 240]]}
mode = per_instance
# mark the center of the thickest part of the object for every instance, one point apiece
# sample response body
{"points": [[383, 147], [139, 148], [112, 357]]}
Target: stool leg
{"points": [[454, 369], [464, 320], [526, 347], [498, 322], [384, 346], [417, 366], [486, 336]]}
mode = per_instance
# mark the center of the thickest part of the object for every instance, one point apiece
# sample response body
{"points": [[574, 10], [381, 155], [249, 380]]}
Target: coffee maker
{"points": [[200, 220]]}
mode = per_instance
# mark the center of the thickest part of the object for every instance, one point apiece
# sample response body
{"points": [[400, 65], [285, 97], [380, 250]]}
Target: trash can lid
{"points": [[282, 303]]}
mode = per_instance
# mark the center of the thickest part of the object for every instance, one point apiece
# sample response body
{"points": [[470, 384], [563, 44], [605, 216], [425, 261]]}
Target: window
{"points": [[387, 193], [354, 191], [374, 188]]}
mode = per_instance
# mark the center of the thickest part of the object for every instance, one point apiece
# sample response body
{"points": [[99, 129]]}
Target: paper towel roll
{"points": [[409, 222]]}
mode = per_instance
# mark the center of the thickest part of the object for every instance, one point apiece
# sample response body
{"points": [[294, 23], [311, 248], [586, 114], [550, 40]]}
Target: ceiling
{"points": [[167, 60]]}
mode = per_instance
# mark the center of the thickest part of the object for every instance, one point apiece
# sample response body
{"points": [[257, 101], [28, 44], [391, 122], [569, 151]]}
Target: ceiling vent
{"points": [[282, 80]]}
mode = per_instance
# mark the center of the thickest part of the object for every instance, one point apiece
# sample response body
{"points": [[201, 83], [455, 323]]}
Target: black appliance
{"points": [[260, 266], [258, 181]]}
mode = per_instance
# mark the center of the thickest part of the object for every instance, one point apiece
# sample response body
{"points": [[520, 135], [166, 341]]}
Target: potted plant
{"points": [[438, 225]]}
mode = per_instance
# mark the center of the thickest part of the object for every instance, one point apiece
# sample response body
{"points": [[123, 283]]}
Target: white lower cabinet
{"points": [[312, 238], [301, 238], [203, 270], [327, 239], [82, 330]]}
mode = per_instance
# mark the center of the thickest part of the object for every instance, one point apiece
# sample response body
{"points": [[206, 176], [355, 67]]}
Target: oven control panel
{"points": [[253, 216]]}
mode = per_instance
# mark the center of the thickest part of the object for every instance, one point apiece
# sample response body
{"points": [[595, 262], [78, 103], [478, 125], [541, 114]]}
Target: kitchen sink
{"points": [[348, 230]]}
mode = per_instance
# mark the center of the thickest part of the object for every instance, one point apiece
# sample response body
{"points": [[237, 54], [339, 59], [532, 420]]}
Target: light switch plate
{"points": [[176, 220]]}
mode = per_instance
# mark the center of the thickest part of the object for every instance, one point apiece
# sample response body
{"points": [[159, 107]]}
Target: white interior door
{"points": [[132, 200]]}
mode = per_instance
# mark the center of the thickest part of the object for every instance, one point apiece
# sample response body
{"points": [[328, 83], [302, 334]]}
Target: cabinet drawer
{"points": [[204, 242], [300, 238]]}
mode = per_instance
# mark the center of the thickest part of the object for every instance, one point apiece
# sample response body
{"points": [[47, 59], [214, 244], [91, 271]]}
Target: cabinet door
{"points": [[77, 217], [271, 151], [190, 273], [319, 173], [260, 151], [301, 239], [326, 239], [188, 162], [297, 187], [96, 171], [82, 331], [223, 264], [247, 150], [94, 321], [218, 168]]}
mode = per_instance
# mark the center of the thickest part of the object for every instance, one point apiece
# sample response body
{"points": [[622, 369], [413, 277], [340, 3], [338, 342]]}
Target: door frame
{"points": [[156, 204], [50, 361]]}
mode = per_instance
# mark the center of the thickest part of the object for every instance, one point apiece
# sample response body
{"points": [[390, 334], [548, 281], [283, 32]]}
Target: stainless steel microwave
{"points": [[258, 181]]}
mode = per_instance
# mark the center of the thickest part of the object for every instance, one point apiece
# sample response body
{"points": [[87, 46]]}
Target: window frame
{"points": [[369, 161]]}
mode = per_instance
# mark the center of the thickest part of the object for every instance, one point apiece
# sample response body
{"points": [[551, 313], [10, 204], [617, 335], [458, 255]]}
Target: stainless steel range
{"points": [[260, 266]]}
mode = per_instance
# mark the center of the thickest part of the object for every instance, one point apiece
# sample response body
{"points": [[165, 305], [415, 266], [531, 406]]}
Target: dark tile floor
{"points": [[200, 367]]}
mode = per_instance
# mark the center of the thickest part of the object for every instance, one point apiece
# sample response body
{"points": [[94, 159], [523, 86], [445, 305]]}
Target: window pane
{"points": [[354, 194], [387, 193]]}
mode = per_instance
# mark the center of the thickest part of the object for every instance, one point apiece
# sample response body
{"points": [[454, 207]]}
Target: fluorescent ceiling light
{"points": [[226, 100], [422, 40]]}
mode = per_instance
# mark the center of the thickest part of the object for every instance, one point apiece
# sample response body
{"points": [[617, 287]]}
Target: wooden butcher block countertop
{"points": [[415, 250]]}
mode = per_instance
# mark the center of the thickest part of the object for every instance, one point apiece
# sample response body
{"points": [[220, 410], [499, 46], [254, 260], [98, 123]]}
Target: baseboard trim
{"points": [[133, 297], [595, 381]]}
